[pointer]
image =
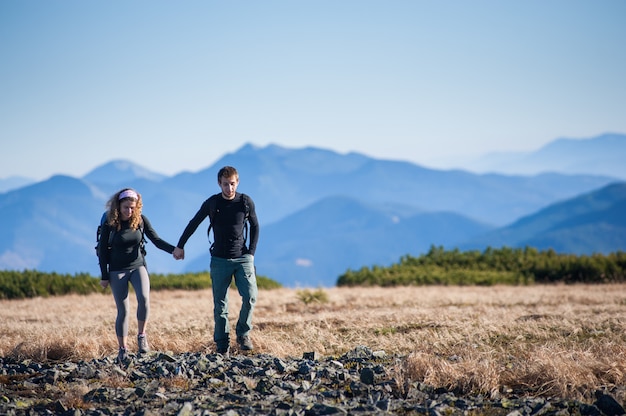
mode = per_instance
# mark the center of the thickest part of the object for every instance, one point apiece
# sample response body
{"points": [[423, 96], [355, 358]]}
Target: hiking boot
{"points": [[245, 343], [142, 343], [122, 356], [223, 349]]}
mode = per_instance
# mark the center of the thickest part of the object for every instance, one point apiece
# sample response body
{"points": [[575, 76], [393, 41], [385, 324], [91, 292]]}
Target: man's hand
{"points": [[104, 283], [179, 253]]}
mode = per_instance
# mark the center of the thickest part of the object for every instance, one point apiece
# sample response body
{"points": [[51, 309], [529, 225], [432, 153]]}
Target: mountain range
{"points": [[601, 155], [321, 213]]}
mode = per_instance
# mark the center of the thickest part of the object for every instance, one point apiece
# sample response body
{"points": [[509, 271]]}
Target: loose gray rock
{"points": [[190, 384]]}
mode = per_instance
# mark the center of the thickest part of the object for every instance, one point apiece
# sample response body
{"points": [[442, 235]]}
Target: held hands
{"points": [[179, 253]]}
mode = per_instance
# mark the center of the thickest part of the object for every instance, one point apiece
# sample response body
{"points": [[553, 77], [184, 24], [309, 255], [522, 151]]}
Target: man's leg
{"points": [[221, 276], [245, 279]]}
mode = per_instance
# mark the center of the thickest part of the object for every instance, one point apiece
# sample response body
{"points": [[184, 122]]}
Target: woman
{"points": [[122, 261]]}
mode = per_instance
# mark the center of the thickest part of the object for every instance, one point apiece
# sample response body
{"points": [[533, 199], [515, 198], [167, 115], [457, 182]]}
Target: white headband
{"points": [[129, 193]]}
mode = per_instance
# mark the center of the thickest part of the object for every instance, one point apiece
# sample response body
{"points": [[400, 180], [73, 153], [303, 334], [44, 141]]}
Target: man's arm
{"points": [[193, 224]]}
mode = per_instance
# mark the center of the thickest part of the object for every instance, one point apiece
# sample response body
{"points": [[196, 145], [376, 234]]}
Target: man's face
{"points": [[229, 186]]}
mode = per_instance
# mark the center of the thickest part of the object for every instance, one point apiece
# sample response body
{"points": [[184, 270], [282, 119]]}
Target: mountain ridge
{"points": [[600, 155], [598, 213], [347, 211]]}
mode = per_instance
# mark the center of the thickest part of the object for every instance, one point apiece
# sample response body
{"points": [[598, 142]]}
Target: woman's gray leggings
{"points": [[140, 280]]}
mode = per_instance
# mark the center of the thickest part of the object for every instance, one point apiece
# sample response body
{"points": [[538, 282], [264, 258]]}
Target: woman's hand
{"points": [[179, 253]]}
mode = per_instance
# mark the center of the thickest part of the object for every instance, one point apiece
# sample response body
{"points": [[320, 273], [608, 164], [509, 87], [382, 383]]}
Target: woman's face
{"points": [[127, 207]]}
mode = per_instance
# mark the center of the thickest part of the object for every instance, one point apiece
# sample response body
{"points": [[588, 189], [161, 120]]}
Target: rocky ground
{"points": [[360, 382]]}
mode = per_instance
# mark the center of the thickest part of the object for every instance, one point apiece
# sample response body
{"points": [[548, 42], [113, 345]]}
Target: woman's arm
{"points": [[154, 237]]}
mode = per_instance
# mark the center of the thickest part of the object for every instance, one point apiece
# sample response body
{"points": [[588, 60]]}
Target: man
{"points": [[228, 212]]}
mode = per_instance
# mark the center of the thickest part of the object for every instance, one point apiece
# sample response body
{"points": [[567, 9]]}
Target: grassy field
{"points": [[562, 341]]}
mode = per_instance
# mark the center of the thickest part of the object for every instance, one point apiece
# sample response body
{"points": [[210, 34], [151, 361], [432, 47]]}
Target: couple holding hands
{"points": [[122, 261]]}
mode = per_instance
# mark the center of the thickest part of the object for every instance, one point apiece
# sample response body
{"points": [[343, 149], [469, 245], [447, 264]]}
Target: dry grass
{"points": [[563, 341]]}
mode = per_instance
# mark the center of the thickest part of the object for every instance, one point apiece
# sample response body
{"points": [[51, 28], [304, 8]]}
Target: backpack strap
{"points": [[246, 218], [103, 220], [99, 231], [111, 235]]}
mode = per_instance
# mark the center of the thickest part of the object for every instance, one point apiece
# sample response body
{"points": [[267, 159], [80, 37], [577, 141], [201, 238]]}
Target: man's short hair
{"points": [[227, 172]]}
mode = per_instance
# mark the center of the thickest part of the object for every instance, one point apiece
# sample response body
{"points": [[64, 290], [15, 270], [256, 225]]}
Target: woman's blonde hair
{"points": [[113, 205]]}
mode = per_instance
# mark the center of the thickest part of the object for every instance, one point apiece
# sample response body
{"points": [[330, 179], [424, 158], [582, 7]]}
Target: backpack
{"points": [[103, 219], [213, 211]]}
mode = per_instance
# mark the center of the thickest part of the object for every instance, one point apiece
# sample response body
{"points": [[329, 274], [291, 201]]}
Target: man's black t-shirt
{"points": [[228, 226]]}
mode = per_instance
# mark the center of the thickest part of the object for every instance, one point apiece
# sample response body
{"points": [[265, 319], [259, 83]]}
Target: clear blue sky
{"points": [[174, 85]]}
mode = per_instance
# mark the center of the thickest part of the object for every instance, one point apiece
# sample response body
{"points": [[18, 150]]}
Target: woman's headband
{"points": [[129, 193]]}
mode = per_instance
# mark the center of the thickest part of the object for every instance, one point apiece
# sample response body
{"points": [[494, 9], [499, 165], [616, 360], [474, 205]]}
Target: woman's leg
{"points": [[118, 281], [140, 280]]}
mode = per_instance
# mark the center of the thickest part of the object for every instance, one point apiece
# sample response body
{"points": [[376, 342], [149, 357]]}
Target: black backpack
{"points": [[213, 212], [142, 245]]}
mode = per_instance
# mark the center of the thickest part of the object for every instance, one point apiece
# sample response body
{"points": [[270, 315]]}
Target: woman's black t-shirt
{"points": [[125, 252]]}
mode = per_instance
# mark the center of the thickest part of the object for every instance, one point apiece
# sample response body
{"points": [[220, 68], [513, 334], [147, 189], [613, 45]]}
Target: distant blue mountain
{"points": [[601, 155], [14, 182], [354, 234], [49, 226], [321, 212], [594, 222], [120, 172]]}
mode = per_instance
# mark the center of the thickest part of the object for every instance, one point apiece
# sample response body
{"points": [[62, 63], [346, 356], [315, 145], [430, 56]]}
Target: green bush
{"points": [[32, 283], [492, 266], [307, 296]]}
